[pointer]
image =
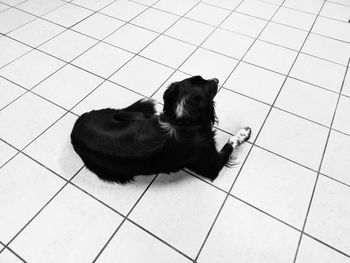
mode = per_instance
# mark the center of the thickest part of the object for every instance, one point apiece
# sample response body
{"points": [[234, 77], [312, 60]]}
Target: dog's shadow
{"points": [[163, 179]]}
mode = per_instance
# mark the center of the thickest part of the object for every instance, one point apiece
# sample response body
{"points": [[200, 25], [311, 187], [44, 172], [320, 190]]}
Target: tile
{"points": [[276, 186], [146, 2], [123, 9], [8, 257], [275, 2], [92, 4], [68, 80], [39, 7], [209, 65], [177, 76], [228, 174], [312, 251], [54, 150], [336, 162], [342, 2], [328, 219], [228, 43], [297, 96], [155, 20], [108, 95], [150, 75], [318, 72], [250, 236], [12, 18], [228, 4], [168, 51], [19, 183], [272, 57], [244, 24], [71, 220], [6, 152], [10, 50], [3, 7], [103, 59], [258, 9], [174, 192], [179, 7], [327, 48], [98, 26], [36, 32], [294, 18], [294, 138], [342, 117], [311, 6], [68, 45], [332, 28], [284, 36], [12, 2], [120, 197], [32, 122], [255, 82], [346, 86], [208, 14], [9, 92], [148, 248], [336, 11], [235, 111], [190, 31], [68, 15], [30, 69], [131, 38]]}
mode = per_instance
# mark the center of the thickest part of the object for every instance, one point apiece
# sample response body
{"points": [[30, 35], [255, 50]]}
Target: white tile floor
{"points": [[282, 66]]}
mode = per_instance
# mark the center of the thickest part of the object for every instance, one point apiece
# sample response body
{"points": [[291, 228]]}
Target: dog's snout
{"points": [[215, 80]]}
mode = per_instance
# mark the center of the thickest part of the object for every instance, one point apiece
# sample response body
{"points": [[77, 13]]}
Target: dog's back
{"points": [[118, 144]]}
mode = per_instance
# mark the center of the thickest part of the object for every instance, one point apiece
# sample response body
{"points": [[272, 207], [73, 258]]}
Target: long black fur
{"points": [[118, 144]]}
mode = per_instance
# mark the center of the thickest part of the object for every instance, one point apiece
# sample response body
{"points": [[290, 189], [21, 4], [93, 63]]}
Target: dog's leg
{"points": [[236, 140], [241, 136], [211, 162]]}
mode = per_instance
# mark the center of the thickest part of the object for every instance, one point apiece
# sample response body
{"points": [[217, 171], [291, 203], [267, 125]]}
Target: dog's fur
{"points": [[119, 144]]}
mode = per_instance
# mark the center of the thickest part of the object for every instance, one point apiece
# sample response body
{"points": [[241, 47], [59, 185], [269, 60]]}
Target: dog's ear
{"points": [[170, 98]]}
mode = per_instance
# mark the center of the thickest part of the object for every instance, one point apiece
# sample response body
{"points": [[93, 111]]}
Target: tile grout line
{"points": [[124, 219], [70, 28], [143, 95], [35, 17], [38, 50], [13, 252], [103, 78], [128, 219], [320, 166], [268, 114], [120, 214], [151, 96], [198, 47], [78, 103], [31, 90], [291, 8], [246, 157], [66, 182], [327, 245], [81, 6]]}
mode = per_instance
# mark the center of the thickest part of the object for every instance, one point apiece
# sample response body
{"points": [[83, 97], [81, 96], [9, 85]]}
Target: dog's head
{"points": [[191, 100]]}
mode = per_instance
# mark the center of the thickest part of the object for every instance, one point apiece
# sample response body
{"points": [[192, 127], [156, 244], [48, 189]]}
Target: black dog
{"points": [[119, 144]]}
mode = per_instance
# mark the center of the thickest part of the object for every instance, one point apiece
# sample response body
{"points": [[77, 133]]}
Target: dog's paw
{"points": [[241, 136]]}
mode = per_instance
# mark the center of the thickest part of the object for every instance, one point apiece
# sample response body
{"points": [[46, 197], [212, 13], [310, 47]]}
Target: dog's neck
{"points": [[167, 125]]}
